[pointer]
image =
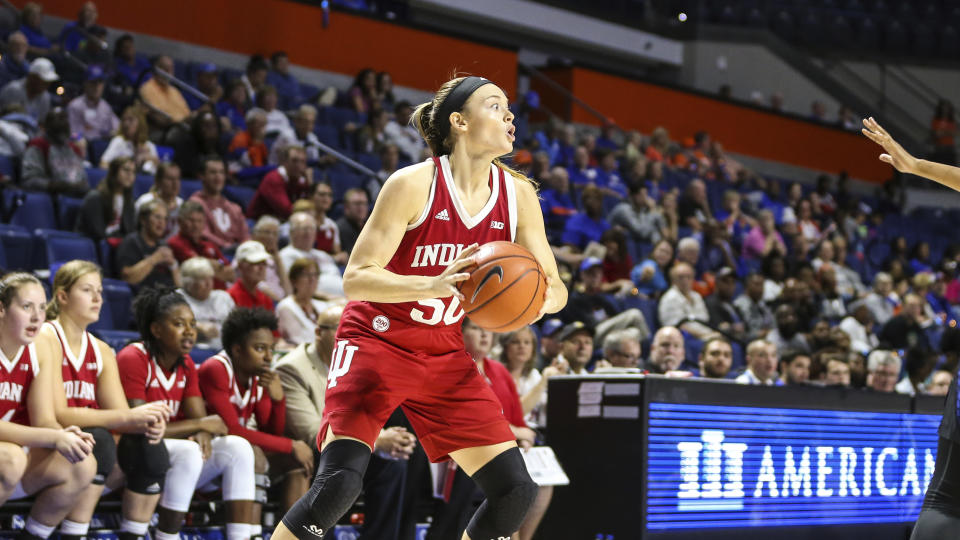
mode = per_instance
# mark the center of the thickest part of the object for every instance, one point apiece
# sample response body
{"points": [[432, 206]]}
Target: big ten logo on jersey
{"points": [[435, 255], [342, 357], [498, 225]]}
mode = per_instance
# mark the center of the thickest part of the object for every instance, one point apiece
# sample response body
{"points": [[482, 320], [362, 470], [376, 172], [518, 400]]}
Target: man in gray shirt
{"points": [[30, 92], [639, 216]]}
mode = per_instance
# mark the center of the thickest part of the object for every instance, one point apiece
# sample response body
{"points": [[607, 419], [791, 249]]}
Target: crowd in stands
{"points": [[226, 214]]}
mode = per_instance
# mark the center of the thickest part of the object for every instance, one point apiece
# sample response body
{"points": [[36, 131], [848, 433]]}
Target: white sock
{"points": [[36, 528], [160, 535], [238, 531], [256, 530], [73, 528], [134, 527]]}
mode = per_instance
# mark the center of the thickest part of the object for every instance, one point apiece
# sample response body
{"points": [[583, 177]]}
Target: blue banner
{"points": [[728, 466]]}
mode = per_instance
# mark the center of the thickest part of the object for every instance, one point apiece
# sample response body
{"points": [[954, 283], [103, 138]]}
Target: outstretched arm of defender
{"points": [[904, 162]]}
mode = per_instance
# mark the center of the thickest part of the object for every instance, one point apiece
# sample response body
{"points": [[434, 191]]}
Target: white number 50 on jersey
{"points": [[439, 311]]}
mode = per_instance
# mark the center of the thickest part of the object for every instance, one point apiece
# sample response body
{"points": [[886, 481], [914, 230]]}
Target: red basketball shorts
{"points": [[444, 396]]}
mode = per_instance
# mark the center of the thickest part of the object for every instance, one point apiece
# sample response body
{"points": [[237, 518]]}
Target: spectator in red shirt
{"points": [[282, 186], [189, 243], [328, 233], [251, 262], [247, 146], [242, 369], [226, 226]]}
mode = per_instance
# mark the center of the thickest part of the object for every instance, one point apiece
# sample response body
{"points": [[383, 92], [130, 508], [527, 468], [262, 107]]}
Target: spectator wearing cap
{"points": [[683, 307], [302, 135], [757, 316], [251, 259], [30, 92], [400, 132], [189, 243], [91, 117], [588, 226], [210, 306], [576, 348], [126, 62], [207, 84], [883, 368], [716, 359], [163, 97], [859, 326], [226, 226], [74, 32], [639, 216], [621, 351], [52, 162], [248, 147], [588, 303], [549, 344], [14, 64], [286, 84], [31, 24], [131, 141], [667, 351], [281, 187], [303, 237], [724, 314], [761, 365], [795, 368]]}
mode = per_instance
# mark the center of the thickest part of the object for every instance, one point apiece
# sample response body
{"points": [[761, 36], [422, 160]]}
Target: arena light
{"points": [[682, 16]]}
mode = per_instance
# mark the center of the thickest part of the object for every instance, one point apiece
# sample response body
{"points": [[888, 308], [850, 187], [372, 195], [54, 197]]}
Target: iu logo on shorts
{"points": [[340, 364]]}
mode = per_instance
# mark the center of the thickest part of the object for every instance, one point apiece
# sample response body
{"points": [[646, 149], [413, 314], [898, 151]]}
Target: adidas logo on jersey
{"points": [[443, 215], [314, 530]]}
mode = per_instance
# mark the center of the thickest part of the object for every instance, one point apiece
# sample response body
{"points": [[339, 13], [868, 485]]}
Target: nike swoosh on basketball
{"points": [[495, 271]]}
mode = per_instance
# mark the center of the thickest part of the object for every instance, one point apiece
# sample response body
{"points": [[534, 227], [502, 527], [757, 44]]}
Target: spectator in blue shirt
{"points": [[14, 64], [581, 173], [608, 176], [650, 276], [555, 201], [606, 139], [126, 62], [234, 105], [72, 36], [206, 83], [279, 76], [31, 17], [589, 226]]}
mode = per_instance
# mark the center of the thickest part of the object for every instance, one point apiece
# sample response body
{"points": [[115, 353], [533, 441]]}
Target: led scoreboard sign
{"points": [[729, 466]]}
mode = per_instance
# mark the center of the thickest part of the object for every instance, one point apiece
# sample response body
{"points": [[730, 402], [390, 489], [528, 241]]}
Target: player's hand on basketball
{"points": [[549, 300], [202, 438], [214, 424], [895, 154], [270, 381], [73, 444], [303, 454], [396, 441], [445, 284]]}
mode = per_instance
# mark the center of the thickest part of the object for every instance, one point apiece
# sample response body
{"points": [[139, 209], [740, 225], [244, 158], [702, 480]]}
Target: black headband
{"points": [[454, 102]]}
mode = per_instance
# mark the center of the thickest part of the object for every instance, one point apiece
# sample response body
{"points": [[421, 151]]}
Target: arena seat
{"points": [[328, 135], [68, 208], [105, 322], [97, 148], [199, 355], [95, 175], [61, 246], [119, 295], [240, 195], [18, 247], [9, 167], [34, 210], [370, 161], [116, 339], [188, 187], [141, 185]]}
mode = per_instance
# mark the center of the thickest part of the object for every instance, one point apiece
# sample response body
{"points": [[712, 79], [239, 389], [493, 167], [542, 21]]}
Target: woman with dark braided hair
{"points": [[159, 368]]}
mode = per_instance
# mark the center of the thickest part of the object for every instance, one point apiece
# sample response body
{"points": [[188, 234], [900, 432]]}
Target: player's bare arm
{"points": [[903, 161], [531, 235]]}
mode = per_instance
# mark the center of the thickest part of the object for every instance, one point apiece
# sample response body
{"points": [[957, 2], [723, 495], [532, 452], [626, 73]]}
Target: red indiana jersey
{"points": [[430, 244], [143, 378], [80, 373], [250, 414], [16, 374]]}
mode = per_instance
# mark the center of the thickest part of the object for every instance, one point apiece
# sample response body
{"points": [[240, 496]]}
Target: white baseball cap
{"points": [[251, 251], [43, 68]]}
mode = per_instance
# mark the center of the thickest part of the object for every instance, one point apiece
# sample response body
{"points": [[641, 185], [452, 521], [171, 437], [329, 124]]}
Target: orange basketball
{"points": [[506, 289]]}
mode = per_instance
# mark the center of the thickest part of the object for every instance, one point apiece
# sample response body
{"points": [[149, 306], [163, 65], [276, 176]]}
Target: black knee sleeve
{"points": [[335, 488], [145, 465], [510, 493], [105, 452]]}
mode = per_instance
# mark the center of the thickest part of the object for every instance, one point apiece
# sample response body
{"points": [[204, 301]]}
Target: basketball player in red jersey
{"points": [[399, 342], [37, 457], [87, 391]]}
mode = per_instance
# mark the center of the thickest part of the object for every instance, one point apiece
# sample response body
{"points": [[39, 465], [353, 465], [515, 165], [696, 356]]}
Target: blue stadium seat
{"points": [[95, 175], [105, 253], [35, 209], [342, 181], [119, 295], [117, 339], [188, 187], [18, 246], [240, 195], [199, 355], [62, 246], [3, 258], [370, 161], [647, 306], [96, 149], [328, 135], [67, 213], [105, 322], [9, 167], [141, 185]]}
